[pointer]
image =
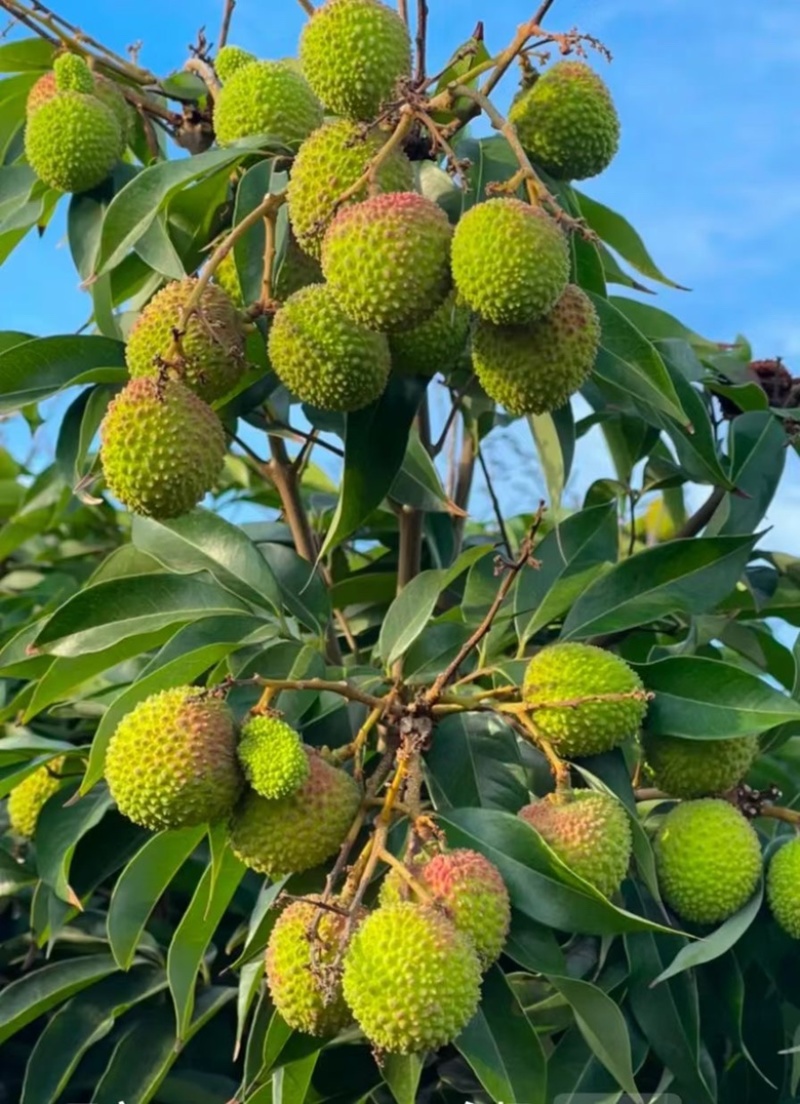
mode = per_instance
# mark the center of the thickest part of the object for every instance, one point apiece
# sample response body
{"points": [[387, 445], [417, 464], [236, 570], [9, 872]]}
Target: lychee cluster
{"points": [[27, 800]]}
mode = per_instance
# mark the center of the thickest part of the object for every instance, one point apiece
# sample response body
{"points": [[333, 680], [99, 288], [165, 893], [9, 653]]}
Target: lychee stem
{"points": [[417, 886]]}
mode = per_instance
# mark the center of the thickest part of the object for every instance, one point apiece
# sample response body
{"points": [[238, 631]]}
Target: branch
{"points": [[495, 503], [344, 689], [422, 27], [206, 74], [396, 139], [402, 10], [700, 519], [269, 259], [307, 6], [437, 447], [226, 23], [464, 473], [779, 812], [410, 552]]}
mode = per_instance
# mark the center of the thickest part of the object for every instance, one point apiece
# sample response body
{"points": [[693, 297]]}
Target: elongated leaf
{"points": [[682, 576], [26, 54], [402, 1073], [417, 483], [758, 458], [554, 435], [472, 763], [502, 1046], [31, 996], [658, 325], [141, 885], [37, 369], [60, 828], [617, 232]]}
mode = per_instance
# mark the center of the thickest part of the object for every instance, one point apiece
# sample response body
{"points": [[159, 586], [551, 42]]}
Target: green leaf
{"points": [[140, 886], [502, 1047], [658, 325], [758, 458], [38, 992], [26, 54], [402, 1072], [59, 829], [417, 483], [194, 933], [534, 946], [78, 430], [375, 442], [699, 698], [303, 591], [292, 1082], [554, 435], [617, 232], [37, 369], [99, 615], [696, 445], [681, 576], [474, 762]]}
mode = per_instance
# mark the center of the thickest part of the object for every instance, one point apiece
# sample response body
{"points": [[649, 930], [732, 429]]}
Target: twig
{"points": [[779, 812], [410, 552], [402, 10], [354, 748], [465, 469], [307, 6], [269, 259], [206, 74], [512, 570], [422, 28], [701, 517], [303, 435], [632, 540], [396, 139], [226, 24], [495, 503], [579, 700], [437, 447], [647, 793], [559, 768], [413, 883], [344, 689]]}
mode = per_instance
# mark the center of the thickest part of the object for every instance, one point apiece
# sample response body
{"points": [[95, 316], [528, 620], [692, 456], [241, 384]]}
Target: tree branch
{"points": [[501, 525], [701, 517], [226, 24], [410, 551], [422, 28], [464, 472]]}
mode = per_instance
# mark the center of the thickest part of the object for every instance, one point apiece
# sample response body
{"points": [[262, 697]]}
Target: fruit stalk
{"points": [[342, 688], [392, 143]]}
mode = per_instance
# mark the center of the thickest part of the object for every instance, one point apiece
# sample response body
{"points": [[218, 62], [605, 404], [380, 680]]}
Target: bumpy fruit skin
{"points": [[536, 368], [272, 756], [708, 860], [590, 833], [697, 768], [297, 832], [353, 53], [387, 260], [104, 90], [510, 261], [72, 141], [296, 270], [323, 357], [330, 161], [208, 357], [563, 672], [72, 74], [231, 58], [266, 97], [162, 448], [171, 762], [411, 978], [783, 887], [295, 990], [437, 345], [27, 800], [567, 121]]}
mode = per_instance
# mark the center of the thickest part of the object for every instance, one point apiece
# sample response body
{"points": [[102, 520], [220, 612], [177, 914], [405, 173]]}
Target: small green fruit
{"points": [[783, 887], [697, 768], [162, 449], [72, 74], [589, 831], [269, 98], [72, 141], [510, 261], [27, 800], [353, 53], [231, 58], [171, 762], [708, 860], [105, 90], [437, 345], [411, 978], [272, 756], [565, 672]]}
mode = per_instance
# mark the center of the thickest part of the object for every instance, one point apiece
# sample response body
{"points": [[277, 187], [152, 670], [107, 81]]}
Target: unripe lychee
{"points": [[589, 831], [295, 833], [162, 449], [411, 978], [536, 368], [269, 98], [708, 860], [231, 58], [72, 141], [171, 762], [295, 270], [697, 768], [329, 162], [510, 261], [567, 121], [437, 345], [72, 74], [783, 887], [204, 351], [298, 968], [323, 357], [105, 90], [387, 260], [570, 672], [272, 756], [353, 53], [27, 800]]}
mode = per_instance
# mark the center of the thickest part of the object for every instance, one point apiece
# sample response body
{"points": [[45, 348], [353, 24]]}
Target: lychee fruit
{"points": [[171, 762], [783, 887], [27, 800], [272, 756], [584, 700], [387, 260], [104, 89], [708, 860], [293, 271], [267, 98], [697, 768], [437, 345], [72, 141], [231, 58]]}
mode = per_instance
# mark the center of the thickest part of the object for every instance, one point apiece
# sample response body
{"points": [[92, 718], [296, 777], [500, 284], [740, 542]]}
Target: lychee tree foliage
{"points": [[328, 790]]}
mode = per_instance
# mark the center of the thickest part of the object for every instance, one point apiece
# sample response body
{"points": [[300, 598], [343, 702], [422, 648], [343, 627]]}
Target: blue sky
{"points": [[708, 170]]}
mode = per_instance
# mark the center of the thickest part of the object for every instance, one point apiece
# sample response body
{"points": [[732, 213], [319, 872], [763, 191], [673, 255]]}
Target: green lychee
{"points": [[72, 141], [204, 351], [293, 271], [783, 886], [299, 967], [566, 120], [697, 768], [295, 833], [105, 90], [171, 762], [437, 345], [272, 756], [231, 58], [510, 261], [323, 357], [27, 800], [411, 978], [387, 260], [353, 53], [589, 831], [569, 672], [536, 368], [330, 161], [269, 98], [708, 860], [72, 74], [162, 449]]}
